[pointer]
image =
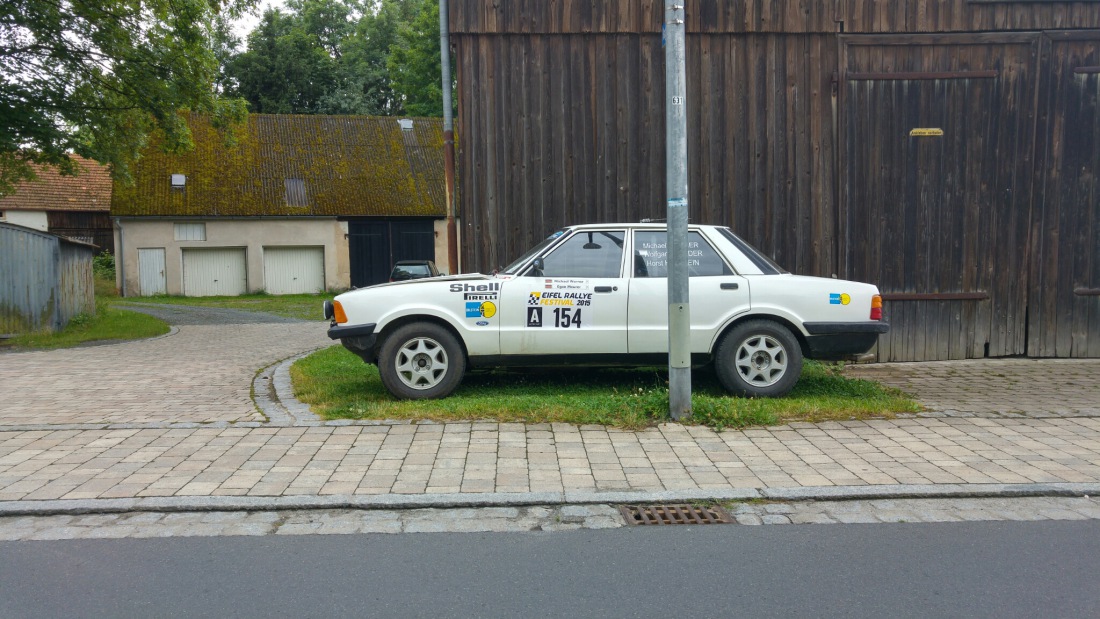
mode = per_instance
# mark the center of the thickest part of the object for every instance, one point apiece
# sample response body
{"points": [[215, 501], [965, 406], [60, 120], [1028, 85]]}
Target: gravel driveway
{"points": [[201, 372]]}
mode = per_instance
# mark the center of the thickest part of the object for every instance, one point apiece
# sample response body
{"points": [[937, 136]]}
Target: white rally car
{"points": [[597, 295]]}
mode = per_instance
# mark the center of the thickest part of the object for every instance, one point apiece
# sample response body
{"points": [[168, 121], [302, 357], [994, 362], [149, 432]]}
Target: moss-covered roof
{"points": [[348, 165], [89, 190]]}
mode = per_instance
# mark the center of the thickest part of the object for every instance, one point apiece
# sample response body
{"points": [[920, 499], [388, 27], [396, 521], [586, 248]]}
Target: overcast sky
{"points": [[248, 22]]}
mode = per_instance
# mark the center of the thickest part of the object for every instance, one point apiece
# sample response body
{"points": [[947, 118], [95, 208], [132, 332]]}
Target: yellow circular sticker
{"points": [[845, 299], [488, 309]]}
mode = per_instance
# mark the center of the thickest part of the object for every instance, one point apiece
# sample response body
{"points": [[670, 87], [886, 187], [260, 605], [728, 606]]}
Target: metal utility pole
{"points": [[679, 312], [448, 139]]}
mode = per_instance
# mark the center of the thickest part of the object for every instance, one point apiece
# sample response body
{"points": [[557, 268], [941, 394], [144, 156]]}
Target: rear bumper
{"points": [[831, 341]]}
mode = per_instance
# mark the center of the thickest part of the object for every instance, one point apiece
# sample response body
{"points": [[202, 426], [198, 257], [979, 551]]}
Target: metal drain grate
{"points": [[674, 514]]}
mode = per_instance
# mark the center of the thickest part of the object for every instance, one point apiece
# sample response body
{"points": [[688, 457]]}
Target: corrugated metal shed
{"points": [[295, 165], [45, 282]]}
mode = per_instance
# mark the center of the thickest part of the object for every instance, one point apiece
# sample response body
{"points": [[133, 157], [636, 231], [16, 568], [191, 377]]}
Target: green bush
{"points": [[103, 265]]}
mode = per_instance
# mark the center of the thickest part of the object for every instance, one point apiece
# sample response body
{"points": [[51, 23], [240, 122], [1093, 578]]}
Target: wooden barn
{"points": [[946, 150]]}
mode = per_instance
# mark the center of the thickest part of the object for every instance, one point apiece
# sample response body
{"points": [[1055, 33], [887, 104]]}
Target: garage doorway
{"points": [[214, 272], [375, 246], [294, 270]]}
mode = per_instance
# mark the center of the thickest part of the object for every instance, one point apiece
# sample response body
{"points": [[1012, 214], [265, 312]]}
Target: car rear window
{"points": [[762, 262]]}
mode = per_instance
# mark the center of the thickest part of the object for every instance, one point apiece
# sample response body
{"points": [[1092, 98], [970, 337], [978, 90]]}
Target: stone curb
{"points": [[520, 499]]}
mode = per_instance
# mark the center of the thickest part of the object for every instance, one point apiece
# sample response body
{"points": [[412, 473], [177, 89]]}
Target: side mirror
{"points": [[536, 267]]}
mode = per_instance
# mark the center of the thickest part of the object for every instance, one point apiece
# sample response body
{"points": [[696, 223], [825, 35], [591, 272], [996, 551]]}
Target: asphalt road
{"points": [[993, 569]]}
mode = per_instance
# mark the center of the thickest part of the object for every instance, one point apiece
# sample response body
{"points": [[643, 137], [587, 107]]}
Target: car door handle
{"points": [[729, 286], [606, 288]]}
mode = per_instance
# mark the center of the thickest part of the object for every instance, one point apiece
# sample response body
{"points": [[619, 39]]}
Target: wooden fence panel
{"points": [[940, 222], [553, 141], [1065, 292]]}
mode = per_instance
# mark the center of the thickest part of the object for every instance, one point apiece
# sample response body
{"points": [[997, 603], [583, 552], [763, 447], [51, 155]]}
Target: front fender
{"points": [[478, 340]]}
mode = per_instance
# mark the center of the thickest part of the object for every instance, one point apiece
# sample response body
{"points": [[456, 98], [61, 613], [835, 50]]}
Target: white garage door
{"points": [[214, 272], [294, 270]]}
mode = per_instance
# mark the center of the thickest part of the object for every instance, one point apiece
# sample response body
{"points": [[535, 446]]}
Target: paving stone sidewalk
{"points": [[486, 458], [1000, 388], [202, 372], [52, 450]]}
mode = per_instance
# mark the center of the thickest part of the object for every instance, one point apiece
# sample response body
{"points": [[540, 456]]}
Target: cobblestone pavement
{"points": [[202, 372], [525, 519], [997, 388], [103, 424], [517, 458]]}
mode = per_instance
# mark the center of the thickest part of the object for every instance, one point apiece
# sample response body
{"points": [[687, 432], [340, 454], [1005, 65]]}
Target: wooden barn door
{"points": [[937, 153], [1064, 320]]}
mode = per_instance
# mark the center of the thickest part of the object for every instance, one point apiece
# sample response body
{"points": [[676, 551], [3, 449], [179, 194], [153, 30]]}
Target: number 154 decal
{"points": [[556, 318]]}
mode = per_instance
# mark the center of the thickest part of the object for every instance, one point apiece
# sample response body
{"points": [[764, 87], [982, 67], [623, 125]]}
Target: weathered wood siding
{"points": [[553, 141], [984, 240], [1064, 300], [940, 223], [778, 16]]}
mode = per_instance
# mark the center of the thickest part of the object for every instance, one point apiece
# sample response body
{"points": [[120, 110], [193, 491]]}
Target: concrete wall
{"points": [[441, 261], [35, 220], [251, 234]]}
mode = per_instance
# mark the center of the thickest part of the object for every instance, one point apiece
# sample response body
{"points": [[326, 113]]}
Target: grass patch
{"points": [[301, 306], [109, 323], [338, 385]]}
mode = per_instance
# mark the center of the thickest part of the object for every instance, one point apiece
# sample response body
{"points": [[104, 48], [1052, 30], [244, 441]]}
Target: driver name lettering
{"points": [[656, 254]]}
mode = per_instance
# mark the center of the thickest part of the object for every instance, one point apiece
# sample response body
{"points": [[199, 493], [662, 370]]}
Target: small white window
{"points": [[191, 232], [179, 181]]}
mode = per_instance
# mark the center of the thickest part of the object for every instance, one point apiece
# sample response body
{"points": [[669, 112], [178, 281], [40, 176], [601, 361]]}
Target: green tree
{"points": [[286, 70], [97, 77], [414, 64], [363, 84]]}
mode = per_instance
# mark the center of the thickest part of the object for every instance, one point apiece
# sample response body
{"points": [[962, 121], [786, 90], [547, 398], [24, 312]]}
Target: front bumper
{"points": [[833, 341], [359, 339], [339, 333]]}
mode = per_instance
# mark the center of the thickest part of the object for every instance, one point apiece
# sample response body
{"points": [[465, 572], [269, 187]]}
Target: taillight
{"points": [[341, 317], [876, 307]]}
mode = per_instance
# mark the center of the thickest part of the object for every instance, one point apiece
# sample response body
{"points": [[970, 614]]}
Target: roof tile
{"points": [[89, 190]]}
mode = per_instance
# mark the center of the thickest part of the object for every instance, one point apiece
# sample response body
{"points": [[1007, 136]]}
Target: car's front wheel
{"points": [[421, 361], [759, 358]]}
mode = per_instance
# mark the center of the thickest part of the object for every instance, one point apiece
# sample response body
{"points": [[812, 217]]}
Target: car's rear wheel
{"points": [[759, 358], [421, 361]]}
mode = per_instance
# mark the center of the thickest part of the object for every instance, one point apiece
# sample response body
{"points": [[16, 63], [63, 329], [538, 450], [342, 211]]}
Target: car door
{"points": [[571, 301], [715, 292]]}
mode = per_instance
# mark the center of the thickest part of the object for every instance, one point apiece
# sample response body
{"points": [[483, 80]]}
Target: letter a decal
{"points": [[534, 317]]}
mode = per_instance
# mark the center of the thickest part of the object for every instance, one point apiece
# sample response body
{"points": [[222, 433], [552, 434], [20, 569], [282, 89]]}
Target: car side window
{"points": [[651, 256], [586, 254]]}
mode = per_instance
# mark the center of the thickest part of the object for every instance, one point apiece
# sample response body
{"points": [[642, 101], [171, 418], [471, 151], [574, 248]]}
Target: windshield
{"points": [[534, 251]]}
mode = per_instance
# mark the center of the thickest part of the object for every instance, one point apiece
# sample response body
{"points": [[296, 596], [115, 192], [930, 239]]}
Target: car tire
{"points": [[758, 358], [421, 361]]}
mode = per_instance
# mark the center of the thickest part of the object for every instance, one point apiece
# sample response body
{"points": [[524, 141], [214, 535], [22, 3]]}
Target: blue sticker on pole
{"points": [[677, 203]]}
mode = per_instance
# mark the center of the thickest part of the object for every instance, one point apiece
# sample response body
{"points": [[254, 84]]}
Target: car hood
{"points": [[465, 277]]}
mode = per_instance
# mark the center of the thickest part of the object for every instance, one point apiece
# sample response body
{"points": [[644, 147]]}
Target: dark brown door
{"points": [[937, 159], [1064, 320]]}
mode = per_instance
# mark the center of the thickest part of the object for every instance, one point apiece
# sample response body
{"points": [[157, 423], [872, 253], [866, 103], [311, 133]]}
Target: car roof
{"points": [[636, 225]]}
